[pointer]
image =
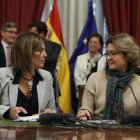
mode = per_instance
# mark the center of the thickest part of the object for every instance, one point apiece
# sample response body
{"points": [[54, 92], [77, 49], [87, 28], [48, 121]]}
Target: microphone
{"points": [[56, 86], [138, 107], [58, 118], [131, 118]]}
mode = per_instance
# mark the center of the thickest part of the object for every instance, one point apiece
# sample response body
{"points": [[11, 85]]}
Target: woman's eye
{"points": [[113, 53]]}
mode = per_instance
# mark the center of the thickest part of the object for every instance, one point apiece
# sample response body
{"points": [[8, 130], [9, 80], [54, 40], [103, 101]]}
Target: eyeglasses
{"points": [[11, 32], [111, 55]]}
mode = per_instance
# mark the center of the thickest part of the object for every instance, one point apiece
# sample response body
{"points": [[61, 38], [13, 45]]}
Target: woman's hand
{"points": [[83, 115], [47, 110], [13, 114]]}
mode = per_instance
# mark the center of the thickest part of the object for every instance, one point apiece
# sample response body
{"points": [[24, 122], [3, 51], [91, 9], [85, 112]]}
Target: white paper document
{"points": [[27, 119]]}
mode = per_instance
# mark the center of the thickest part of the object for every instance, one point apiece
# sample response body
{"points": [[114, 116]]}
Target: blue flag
{"points": [[82, 48]]}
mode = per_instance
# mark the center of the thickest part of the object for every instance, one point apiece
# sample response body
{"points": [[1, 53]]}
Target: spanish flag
{"points": [[53, 22]]}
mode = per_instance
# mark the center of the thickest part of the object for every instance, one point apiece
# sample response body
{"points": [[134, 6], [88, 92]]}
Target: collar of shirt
{"points": [[4, 44], [37, 78]]}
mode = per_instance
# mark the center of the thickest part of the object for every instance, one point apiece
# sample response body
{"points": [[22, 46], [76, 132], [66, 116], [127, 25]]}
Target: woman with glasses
{"points": [[108, 94], [26, 89], [90, 62]]}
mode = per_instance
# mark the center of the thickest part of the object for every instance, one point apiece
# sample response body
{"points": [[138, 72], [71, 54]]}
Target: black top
{"points": [[92, 70], [30, 105]]}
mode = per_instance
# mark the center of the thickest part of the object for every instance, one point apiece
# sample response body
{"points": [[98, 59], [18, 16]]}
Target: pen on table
{"points": [[20, 120]]}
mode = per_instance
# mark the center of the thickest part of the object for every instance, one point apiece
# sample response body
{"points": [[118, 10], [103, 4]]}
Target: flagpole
{"points": [[56, 84]]}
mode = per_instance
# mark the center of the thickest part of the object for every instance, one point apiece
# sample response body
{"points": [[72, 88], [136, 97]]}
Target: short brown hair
{"points": [[98, 36], [22, 49], [128, 45], [9, 25]]}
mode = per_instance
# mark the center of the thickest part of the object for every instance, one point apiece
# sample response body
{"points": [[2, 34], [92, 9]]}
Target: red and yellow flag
{"points": [[53, 22]]}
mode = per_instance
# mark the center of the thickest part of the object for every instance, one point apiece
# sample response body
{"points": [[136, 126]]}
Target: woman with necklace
{"points": [[25, 89], [90, 62], [108, 94]]}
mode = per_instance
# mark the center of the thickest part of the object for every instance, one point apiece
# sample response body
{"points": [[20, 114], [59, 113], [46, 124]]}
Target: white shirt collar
{"points": [[4, 44]]}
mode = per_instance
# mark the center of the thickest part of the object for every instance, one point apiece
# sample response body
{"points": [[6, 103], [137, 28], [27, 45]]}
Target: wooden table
{"points": [[34, 131]]}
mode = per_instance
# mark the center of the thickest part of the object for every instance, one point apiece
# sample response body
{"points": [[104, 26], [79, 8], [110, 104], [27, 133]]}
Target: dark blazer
{"points": [[53, 50], [2, 57]]}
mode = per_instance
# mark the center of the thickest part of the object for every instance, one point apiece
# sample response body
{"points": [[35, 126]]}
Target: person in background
{"points": [[25, 89], [52, 49], [90, 62], [9, 32], [107, 94]]}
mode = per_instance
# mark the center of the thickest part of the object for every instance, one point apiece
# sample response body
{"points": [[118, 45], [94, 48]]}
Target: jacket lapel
{"points": [[13, 88], [40, 92], [13, 94], [84, 63]]}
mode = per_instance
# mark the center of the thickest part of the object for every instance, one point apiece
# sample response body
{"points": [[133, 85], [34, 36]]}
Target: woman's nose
{"points": [[44, 55], [108, 56]]}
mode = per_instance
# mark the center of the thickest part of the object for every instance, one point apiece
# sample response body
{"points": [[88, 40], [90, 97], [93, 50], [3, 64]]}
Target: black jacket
{"points": [[52, 50], [2, 57]]}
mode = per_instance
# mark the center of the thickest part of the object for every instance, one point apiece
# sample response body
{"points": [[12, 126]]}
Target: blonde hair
{"points": [[22, 49], [128, 45]]}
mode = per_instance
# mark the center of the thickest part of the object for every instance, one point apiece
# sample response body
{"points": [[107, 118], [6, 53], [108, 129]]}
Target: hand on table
{"points": [[14, 112], [47, 110], [83, 115]]}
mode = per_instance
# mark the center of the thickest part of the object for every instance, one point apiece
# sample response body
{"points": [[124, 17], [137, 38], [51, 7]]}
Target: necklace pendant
{"points": [[30, 85], [93, 64]]}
